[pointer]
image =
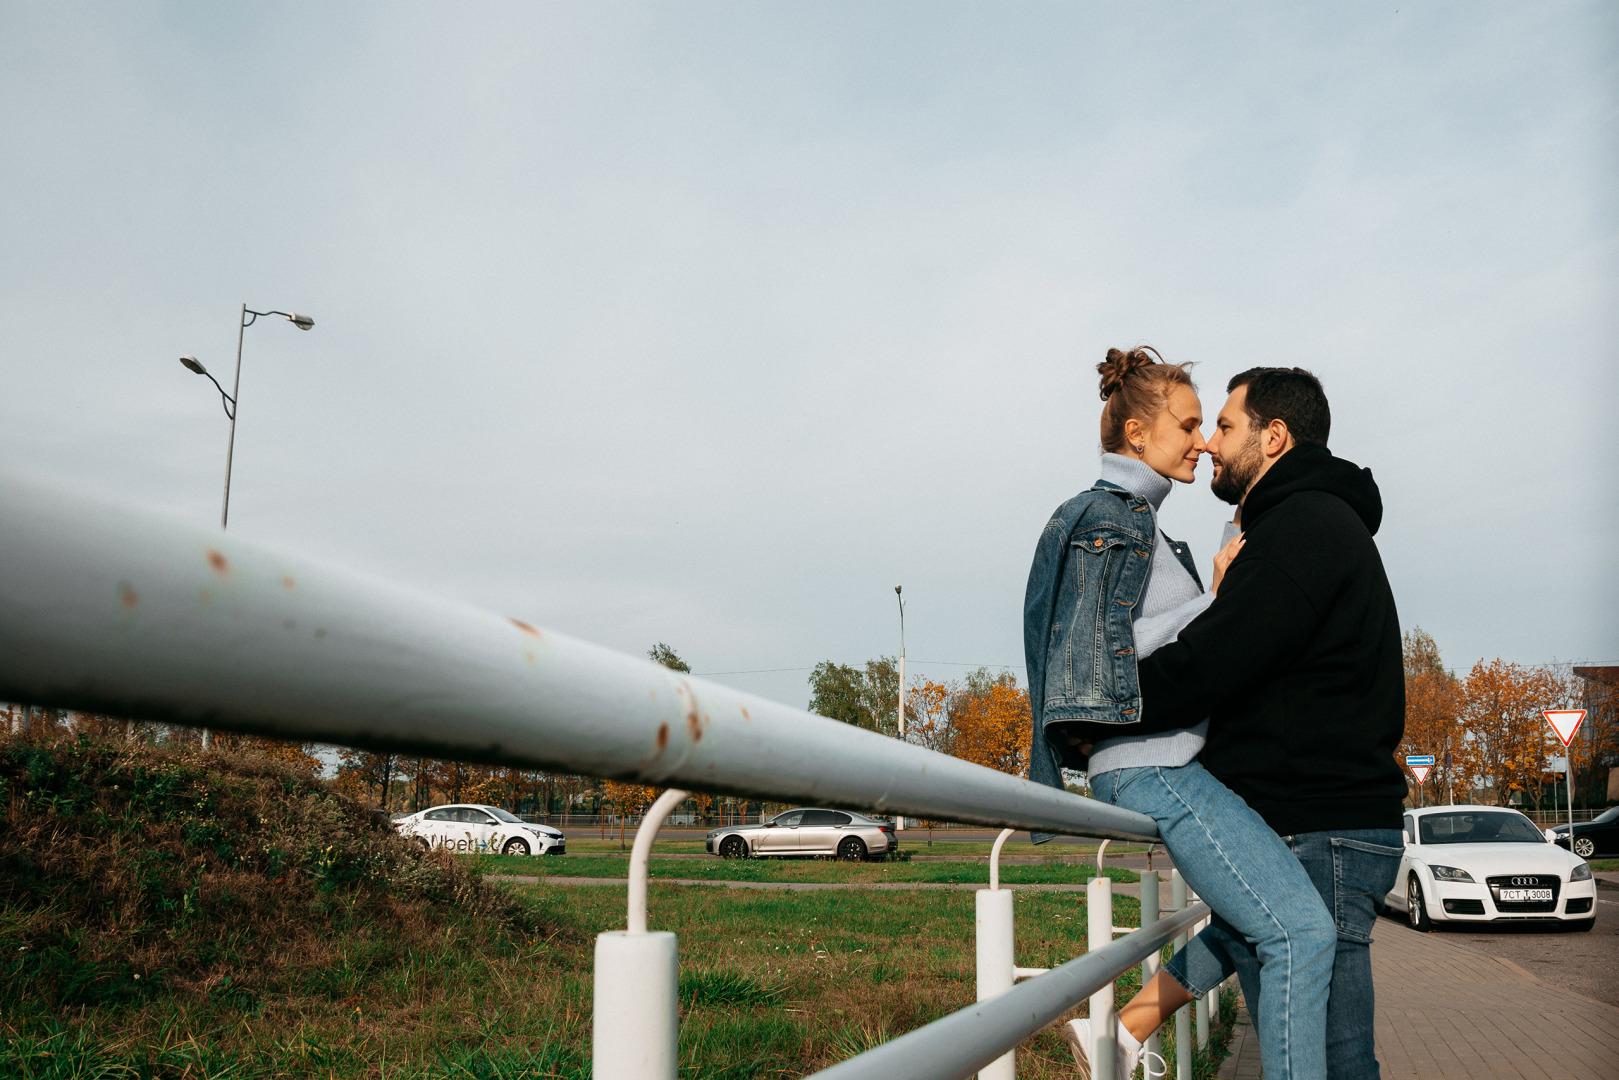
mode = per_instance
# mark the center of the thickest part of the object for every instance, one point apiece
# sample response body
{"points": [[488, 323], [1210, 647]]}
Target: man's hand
{"points": [[1084, 746], [1224, 558]]}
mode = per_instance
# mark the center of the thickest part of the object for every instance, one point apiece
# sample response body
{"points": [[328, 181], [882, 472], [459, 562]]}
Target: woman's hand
{"points": [[1224, 558]]}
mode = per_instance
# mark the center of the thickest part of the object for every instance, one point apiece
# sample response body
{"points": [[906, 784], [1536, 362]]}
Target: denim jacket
{"points": [[1090, 570]]}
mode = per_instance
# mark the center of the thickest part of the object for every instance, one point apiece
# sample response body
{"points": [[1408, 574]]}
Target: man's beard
{"points": [[1237, 472]]}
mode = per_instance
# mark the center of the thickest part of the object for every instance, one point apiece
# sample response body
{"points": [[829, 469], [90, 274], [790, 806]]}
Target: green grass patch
{"points": [[226, 920]]}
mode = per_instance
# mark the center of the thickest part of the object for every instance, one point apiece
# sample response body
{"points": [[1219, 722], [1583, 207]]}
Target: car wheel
{"points": [[1580, 926], [852, 850], [733, 847], [1416, 912], [514, 846], [423, 844], [1584, 847]]}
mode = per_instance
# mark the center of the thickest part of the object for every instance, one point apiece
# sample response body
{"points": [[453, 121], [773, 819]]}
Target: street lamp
{"points": [[899, 819], [302, 322], [191, 363]]}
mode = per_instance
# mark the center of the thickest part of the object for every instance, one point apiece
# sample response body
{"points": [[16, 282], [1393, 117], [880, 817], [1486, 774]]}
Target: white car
{"points": [[470, 828], [1477, 864]]}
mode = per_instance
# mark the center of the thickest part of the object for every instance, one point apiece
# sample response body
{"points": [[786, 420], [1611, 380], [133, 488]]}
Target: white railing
{"points": [[116, 610]]}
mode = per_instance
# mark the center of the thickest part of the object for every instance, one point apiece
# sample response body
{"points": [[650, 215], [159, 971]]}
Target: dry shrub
{"points": [[130, 871]]}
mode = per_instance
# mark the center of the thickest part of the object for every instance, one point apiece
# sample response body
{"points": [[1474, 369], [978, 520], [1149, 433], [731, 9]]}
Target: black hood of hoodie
{"points": [[1311, 467]]}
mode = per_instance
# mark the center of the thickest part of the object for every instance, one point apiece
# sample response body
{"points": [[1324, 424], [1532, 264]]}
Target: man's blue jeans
{"points": [[1352, 870], [1259, 892]]}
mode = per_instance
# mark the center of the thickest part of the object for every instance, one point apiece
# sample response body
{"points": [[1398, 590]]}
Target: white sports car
{"points": [[1488, 864], [472, 828]]}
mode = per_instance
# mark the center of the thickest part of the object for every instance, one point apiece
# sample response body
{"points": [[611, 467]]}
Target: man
{"points": [[1297, 666]]}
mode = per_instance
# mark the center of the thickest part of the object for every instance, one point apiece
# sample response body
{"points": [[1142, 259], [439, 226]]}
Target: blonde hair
{"points": [[1135, 384]]}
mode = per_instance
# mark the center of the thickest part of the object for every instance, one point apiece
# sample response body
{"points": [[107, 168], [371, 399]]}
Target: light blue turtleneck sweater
{"points": [[1171, 600]]}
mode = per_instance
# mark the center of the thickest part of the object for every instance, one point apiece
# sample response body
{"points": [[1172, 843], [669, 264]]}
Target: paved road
{"points": [[1587, 964]]}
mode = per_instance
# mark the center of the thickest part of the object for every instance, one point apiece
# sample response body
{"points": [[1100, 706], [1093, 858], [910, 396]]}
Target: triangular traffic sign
{"points": [[1421, 772], [1565, 722]]}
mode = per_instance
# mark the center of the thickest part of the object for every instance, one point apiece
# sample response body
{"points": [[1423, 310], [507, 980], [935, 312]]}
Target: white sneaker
{"points": [[1128, 1050]]}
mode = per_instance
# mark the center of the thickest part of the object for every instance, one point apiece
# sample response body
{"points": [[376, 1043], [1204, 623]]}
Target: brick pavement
{"points": [[1448, 1011]]}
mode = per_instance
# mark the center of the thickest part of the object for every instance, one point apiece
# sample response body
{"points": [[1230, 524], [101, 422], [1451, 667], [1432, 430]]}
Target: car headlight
{"points": [[1581, 872], [1448, 873]]}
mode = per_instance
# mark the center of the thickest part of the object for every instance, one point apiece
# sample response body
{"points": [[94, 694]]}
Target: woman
{"points": [[1108, 587]]}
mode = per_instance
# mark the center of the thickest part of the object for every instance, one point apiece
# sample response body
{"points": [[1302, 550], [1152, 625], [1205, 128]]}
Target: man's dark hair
{"points": [[1291, 395]]}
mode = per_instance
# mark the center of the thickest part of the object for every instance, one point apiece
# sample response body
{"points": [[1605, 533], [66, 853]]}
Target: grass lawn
{"points": [[173, 914], [805, 870], [1605, 864], [772, 985]]}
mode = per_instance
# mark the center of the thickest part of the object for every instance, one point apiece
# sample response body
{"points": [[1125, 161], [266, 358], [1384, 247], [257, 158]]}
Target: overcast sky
{"points": [[710, 323]]}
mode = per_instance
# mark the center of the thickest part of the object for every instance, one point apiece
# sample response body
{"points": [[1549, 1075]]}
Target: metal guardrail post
{"points": [[1183, 1015], [1150, 966], [635, 1022], [1099, 921], [1202, 1007], [996, 962]]}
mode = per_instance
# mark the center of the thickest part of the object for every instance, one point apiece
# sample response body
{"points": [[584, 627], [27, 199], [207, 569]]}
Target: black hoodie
{"points": [[1297, 662]]}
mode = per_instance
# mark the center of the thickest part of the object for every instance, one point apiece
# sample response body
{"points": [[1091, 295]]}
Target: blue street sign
{"points": [[1419, 759]]}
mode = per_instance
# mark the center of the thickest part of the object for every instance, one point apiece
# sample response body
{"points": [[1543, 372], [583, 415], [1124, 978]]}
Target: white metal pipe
{"points": [[635, 1026], [1153, 961], [996, 967], [112, 609], [995, 858], [1099, 925], [957, 1046], [641, 851], [1183, 1015]]}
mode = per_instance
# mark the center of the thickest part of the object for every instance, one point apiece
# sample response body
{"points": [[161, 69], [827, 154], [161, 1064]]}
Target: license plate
{"points": [[1525, 896]]}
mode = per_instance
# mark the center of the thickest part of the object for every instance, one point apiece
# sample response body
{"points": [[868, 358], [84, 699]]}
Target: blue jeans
{"points": [[1259, 893], [1352, 870]]}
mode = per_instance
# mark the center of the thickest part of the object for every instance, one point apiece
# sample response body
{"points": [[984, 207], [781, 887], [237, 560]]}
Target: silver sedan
{"points": [[807, 831]]}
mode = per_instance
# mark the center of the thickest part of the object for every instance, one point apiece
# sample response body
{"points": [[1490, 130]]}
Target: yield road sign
{"points": [[1565, 722], [1420, 772]]}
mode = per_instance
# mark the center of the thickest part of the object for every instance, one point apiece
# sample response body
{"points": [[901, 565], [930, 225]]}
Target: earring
{"points": [[1142, 449]]}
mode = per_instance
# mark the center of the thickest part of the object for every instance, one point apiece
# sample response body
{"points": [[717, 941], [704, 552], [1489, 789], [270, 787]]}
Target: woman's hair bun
{"points": [[1119, 365]]}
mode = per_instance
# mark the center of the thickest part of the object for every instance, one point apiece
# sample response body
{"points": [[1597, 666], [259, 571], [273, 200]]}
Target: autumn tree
{"points": [[1433, 705], [990, 721], [366, 775], [927, 714], [1507, 741]]}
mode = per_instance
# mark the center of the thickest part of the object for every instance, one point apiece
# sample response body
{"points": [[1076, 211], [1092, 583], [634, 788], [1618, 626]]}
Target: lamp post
{"points": [[899, 819], [191, 363], [302, 322]]}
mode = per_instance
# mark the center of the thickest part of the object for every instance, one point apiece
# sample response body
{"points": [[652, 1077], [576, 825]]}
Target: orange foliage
{"points": [[1508, 739], [992, 728]]}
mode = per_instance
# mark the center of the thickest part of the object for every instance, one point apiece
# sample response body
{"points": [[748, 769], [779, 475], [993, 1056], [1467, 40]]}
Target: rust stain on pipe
{"points": [[287, 582], [525, 627], [218, 561], [127, 596], [663, 737], [694, 721]]}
